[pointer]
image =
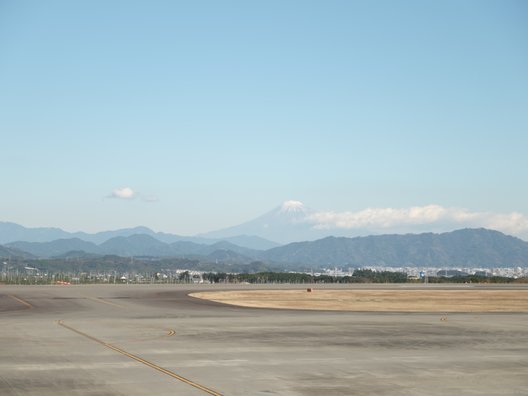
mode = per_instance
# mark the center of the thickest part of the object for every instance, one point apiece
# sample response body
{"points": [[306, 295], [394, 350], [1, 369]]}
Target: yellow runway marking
{"points": [[21, 301], [100, 300], [169, 333], [141, 360]]}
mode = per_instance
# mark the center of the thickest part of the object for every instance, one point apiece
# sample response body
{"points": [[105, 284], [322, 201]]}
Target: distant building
{"points": [[450, 273]]}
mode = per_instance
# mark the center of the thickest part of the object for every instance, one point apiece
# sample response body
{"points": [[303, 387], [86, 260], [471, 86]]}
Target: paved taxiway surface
{"points": [[150, 339]]}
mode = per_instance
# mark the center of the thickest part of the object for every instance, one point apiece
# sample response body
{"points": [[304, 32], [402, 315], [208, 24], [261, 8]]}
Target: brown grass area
{"points": [[377, 300]]}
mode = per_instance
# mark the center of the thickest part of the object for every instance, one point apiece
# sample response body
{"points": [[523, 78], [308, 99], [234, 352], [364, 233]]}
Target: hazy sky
{"points": [[191, 116]]}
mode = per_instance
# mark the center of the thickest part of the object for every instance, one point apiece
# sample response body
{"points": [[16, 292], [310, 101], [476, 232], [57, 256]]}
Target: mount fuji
{"points": [[289, 222]]}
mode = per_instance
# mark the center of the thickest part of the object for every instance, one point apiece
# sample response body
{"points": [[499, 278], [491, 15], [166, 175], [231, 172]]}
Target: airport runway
{"points": [[155, 340]]}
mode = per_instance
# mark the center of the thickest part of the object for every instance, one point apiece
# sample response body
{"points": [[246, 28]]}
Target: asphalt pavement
{"points": [[156, 340]]}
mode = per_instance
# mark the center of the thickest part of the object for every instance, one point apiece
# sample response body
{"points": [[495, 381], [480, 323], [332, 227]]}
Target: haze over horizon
{"points": [[189, 118], [292, 221]]}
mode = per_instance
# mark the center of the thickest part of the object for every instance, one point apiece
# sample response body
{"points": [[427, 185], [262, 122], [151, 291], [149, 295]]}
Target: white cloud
{"points": [[435, 217], [123, 193], [515, 223], [128, 193]]}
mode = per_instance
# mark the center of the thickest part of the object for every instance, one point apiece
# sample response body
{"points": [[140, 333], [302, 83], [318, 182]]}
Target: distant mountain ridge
{"points": [[467, 248], [289, 222], [133, 245], [11, 232], [462, 248], [13, 252]]}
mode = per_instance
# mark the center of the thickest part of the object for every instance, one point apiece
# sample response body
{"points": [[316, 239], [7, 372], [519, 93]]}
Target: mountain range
{"points": [[304, 244], [11, 232], [462, 248], [289, 222], [133, 245]]}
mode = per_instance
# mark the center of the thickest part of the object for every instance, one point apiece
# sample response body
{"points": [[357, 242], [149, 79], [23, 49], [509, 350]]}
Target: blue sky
{"points": [[213, 112]]}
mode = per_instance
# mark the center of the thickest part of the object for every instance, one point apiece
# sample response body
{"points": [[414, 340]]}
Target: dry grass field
{"points": [[475, 300]]}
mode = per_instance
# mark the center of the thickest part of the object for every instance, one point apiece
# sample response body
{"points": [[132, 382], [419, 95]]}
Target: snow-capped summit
{"points": [[292, 206]]}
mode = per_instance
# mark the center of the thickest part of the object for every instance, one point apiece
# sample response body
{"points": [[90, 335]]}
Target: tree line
{"points": [[359, 276]]}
